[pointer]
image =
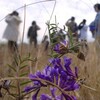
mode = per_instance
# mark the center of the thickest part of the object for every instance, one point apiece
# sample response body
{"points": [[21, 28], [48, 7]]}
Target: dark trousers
{"points": [[33, 40], [12, 45]]}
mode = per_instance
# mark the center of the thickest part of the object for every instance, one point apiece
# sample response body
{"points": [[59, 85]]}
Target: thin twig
{"points": [[28, 5], [35, 3], [89, 87], [50, 17], [23, 28], [53, 10], [13, 78], [29, 92], [44, 34], [38, 79]]}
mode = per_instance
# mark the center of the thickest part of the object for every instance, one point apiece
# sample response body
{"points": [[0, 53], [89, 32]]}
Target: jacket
{"points": [[12, 30]]}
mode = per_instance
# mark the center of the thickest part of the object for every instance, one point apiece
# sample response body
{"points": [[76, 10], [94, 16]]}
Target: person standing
{"points": [[11, 32], [83, 30], [45, 43], [72, 28], [96, 23], [32, 33]]}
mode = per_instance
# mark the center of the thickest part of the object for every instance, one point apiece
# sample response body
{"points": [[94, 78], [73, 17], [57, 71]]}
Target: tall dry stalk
{"points": [[23, 29]]}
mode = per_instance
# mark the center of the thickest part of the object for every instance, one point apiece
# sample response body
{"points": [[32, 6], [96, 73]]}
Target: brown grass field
{"points": [[88, 69]]}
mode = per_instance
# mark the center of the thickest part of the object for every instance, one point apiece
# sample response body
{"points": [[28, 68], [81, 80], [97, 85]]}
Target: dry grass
{"points": [[87, 69]]}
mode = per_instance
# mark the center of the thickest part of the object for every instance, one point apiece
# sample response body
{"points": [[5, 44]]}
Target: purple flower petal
{"points": [[65, 43], [74, 98], [57, 48], [67, 66], [67, 97], [28, 88], [60, 97], [55, 74], [45, 97], [47, 71], [63, 78], [31, 76], [72, 86], [53, 90], [52, 61]]}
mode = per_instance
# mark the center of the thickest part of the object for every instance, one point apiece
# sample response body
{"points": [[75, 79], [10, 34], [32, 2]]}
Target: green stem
{"points": [[70, 38]]}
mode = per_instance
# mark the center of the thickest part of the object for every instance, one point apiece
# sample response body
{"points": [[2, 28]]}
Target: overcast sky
{"points": [[81, 9]]}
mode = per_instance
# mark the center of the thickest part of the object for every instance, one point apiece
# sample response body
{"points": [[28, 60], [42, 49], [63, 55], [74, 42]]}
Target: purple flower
{"points": [[61, 47], [53, 90], [67, 97], [60, 97], [53, 95], [58, 73], [57, 48], [55, 61], [56, 97], [71, 86], [45, 97], [28, 88], [67, 62]]}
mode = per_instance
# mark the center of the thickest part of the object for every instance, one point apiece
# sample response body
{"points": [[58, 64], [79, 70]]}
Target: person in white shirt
{"points": [[83, 28], [11, 32]]}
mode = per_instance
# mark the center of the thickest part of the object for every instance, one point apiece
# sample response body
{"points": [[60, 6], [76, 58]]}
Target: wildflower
{"points": [[53, 95], [59, 74], [64, 47], [28, 88], [61, 47], [45, 97]]}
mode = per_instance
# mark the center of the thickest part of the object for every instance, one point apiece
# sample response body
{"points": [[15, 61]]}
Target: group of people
{"points": [[78, 31], [11, 32], [82, 27]]}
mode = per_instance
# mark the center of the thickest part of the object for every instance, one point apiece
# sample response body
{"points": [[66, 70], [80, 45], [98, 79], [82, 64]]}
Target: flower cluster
{"points": [[59, 75], [64, 47], [61, 47]]}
